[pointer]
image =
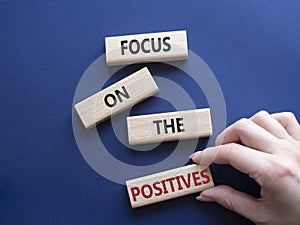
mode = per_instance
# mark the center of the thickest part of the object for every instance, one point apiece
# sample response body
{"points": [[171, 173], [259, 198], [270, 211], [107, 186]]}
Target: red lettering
{"points": [[178, 183], [157, 188], [135, 191], [196, 178], [170, 180], [204, 175], [164, 186], [188, 182], [145, 195]]}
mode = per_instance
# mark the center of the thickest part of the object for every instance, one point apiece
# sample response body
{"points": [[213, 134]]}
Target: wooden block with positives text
{"points": [[171, 126], [116, 98], [168, 185], [151, 47]]}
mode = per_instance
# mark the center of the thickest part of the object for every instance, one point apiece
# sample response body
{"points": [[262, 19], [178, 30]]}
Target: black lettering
{"points": [[124, 94], [137, 46], [112, 97], [166, 44], [143, 45], [153, 45], [123, 47], [179, 122], [157, 122], [169, 126]]}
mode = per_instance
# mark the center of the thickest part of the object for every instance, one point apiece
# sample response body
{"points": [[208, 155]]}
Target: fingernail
{"points": [[263, 112], [204, 199], [194, 154]]}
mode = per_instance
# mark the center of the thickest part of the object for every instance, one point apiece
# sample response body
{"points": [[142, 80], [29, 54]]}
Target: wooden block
{"points": [[169, 184], [170, 126], [151, 47], [116, 98]]}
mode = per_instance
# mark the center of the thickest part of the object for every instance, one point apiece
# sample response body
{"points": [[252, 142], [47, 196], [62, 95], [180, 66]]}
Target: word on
{"points": [[116, 98], [172, 126], [168, 184], [152, 47]]}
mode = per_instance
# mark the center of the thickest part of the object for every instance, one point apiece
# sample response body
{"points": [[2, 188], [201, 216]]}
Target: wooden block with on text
{"points": [[168, 184], [172, 126], [151, 47], [116, 98]]}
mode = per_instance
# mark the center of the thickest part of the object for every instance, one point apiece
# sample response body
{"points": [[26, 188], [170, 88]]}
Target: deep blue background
{"points": [[253, 48]]}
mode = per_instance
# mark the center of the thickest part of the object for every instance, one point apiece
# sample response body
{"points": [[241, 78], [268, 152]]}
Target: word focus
{"points": [[152, 47]]}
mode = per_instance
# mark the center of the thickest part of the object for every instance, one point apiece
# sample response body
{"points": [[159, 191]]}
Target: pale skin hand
{"points": [[267, 148]]}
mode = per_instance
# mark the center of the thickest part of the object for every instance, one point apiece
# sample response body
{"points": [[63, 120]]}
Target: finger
{"points": [[289, 122], [240, 157], [266, 121], [250, 134], [234, 200]]}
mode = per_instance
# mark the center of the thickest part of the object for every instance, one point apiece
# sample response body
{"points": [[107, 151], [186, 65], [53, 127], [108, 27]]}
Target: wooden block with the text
{"points": [[172, 126], [169, 184], [151, 47], [116, 98]]}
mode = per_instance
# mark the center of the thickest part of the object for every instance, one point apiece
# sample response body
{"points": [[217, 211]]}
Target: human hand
{"points": [[267, 148]]}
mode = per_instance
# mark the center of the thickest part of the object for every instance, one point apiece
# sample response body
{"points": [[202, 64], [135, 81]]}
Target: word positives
{"points": [[116, 98], [152, 47], [171, 126], [168, 185]]}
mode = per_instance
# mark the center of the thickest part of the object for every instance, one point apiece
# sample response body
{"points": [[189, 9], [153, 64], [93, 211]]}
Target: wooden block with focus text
{"points": [[169, 184], [172, 126], [116, 98], [151, 47]]}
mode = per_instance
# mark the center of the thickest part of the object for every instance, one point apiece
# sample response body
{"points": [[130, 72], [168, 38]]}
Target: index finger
{"points": [[289, 122], [240, 157], [249, 134]]}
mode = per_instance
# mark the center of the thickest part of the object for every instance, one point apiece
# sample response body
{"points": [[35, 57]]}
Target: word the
{"points": [[169, 126], [172, 125]]}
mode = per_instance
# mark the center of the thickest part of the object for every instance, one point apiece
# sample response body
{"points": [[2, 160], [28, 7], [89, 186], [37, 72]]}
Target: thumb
{"points": [[233, 200]]}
